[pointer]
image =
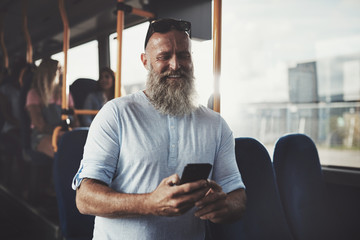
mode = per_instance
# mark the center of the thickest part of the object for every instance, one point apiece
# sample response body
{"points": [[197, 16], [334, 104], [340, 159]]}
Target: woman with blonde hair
{"points": [[43, 103]]}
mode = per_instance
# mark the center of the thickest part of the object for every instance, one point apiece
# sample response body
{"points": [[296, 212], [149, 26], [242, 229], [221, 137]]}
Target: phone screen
{"points": [[195, 171]]}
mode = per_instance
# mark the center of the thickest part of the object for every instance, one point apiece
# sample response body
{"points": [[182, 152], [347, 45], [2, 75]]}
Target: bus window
{"points": [[82, 61], [133, 74], [203, 69], [294, 67]]}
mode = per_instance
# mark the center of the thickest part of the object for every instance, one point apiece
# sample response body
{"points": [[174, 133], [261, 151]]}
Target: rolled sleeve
{"points": [[231, 183], [101, 149]]}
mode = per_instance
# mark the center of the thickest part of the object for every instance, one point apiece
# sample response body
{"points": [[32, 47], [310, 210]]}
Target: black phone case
{"points": [[195, 171]]}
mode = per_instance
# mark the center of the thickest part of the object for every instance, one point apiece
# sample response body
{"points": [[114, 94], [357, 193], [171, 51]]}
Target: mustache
{"points": [[175, 98], [181, 72]]}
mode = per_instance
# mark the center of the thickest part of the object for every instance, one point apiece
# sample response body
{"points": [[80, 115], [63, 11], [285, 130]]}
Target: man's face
{"points": [[106, 80], [169, 51], [170, 86]]}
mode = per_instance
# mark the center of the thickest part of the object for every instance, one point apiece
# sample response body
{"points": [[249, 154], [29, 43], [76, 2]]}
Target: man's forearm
{"points": [[95, 198], [220, 207], [237, 202]]}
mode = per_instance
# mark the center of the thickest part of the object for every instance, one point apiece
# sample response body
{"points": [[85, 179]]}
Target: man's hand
{"points": [[94, 197], [170, 199], [219, 207]]}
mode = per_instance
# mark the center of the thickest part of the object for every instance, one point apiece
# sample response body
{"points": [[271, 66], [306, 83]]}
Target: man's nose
{"points": [[174, 63]]}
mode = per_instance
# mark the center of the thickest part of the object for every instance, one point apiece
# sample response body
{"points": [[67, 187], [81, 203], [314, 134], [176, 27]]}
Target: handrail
{"points": [[119, 30], [121, 9], [21, 76], [57, 129], [65, 90], [66, 41], [142, 13], [85, 111], [55, 138], [29, 50], [217, 53], [2, 42]]}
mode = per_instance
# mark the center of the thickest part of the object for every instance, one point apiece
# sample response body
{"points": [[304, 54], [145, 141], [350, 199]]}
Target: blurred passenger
{"points": [[9, 104], [104, 92], [9, 97], [10, 117], [4, 73], [43, 103]]}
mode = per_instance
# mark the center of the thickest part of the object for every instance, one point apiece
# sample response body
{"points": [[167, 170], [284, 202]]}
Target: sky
{"points": [[271, 36]]}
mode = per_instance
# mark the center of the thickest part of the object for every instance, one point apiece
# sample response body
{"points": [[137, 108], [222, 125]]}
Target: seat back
{"points": [[302, 190], [264, 217], [80, 89], [73, 225]]}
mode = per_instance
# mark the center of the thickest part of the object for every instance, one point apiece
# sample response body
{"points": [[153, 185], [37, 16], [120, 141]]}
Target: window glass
{"points": [[133, 74], [82, 61], [287, 67], [294, 67]]}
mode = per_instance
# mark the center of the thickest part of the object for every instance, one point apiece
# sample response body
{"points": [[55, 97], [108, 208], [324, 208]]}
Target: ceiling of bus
{"points": [[87, 19]]}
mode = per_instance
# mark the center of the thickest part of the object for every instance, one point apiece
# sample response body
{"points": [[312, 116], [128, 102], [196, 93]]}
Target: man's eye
{"points": [[163, 57]]}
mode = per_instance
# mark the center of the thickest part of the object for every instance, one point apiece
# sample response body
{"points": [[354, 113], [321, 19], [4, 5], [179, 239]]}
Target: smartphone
{"points": [[195, 171]]}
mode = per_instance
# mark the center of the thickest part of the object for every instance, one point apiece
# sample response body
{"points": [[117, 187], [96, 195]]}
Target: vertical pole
{"points": [[66, 41], [119, 30], [29, 51], [104, 50], [217, 53]]}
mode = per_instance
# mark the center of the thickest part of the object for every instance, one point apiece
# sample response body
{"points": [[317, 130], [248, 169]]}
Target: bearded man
{"points": [[139, 144]]}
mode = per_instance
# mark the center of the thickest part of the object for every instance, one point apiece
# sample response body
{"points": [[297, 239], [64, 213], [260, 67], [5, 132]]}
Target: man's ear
{"points": [[144, 60]]}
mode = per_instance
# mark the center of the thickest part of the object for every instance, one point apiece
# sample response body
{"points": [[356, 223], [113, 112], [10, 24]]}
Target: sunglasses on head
{"points": [[165, 25]]}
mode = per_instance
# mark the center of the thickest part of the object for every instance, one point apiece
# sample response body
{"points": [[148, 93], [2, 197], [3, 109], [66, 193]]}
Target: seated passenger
{"points": [[8, 108], [104, 92], [43, 103], [4, 72], [10, 103]]}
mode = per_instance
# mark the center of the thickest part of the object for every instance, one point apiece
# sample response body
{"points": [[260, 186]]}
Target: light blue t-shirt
{"points": [[131, 147]]}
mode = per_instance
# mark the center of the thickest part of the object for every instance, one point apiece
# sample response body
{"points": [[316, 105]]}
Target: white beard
{"points": [[172, 97]]}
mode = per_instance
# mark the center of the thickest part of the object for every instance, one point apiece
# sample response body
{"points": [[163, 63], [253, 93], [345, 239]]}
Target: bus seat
{"points": [[80, 89], [302, 190], [73, 225], [264, 217]]}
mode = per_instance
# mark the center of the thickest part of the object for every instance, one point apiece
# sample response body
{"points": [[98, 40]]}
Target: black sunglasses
{"points": [[165, 25]]}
